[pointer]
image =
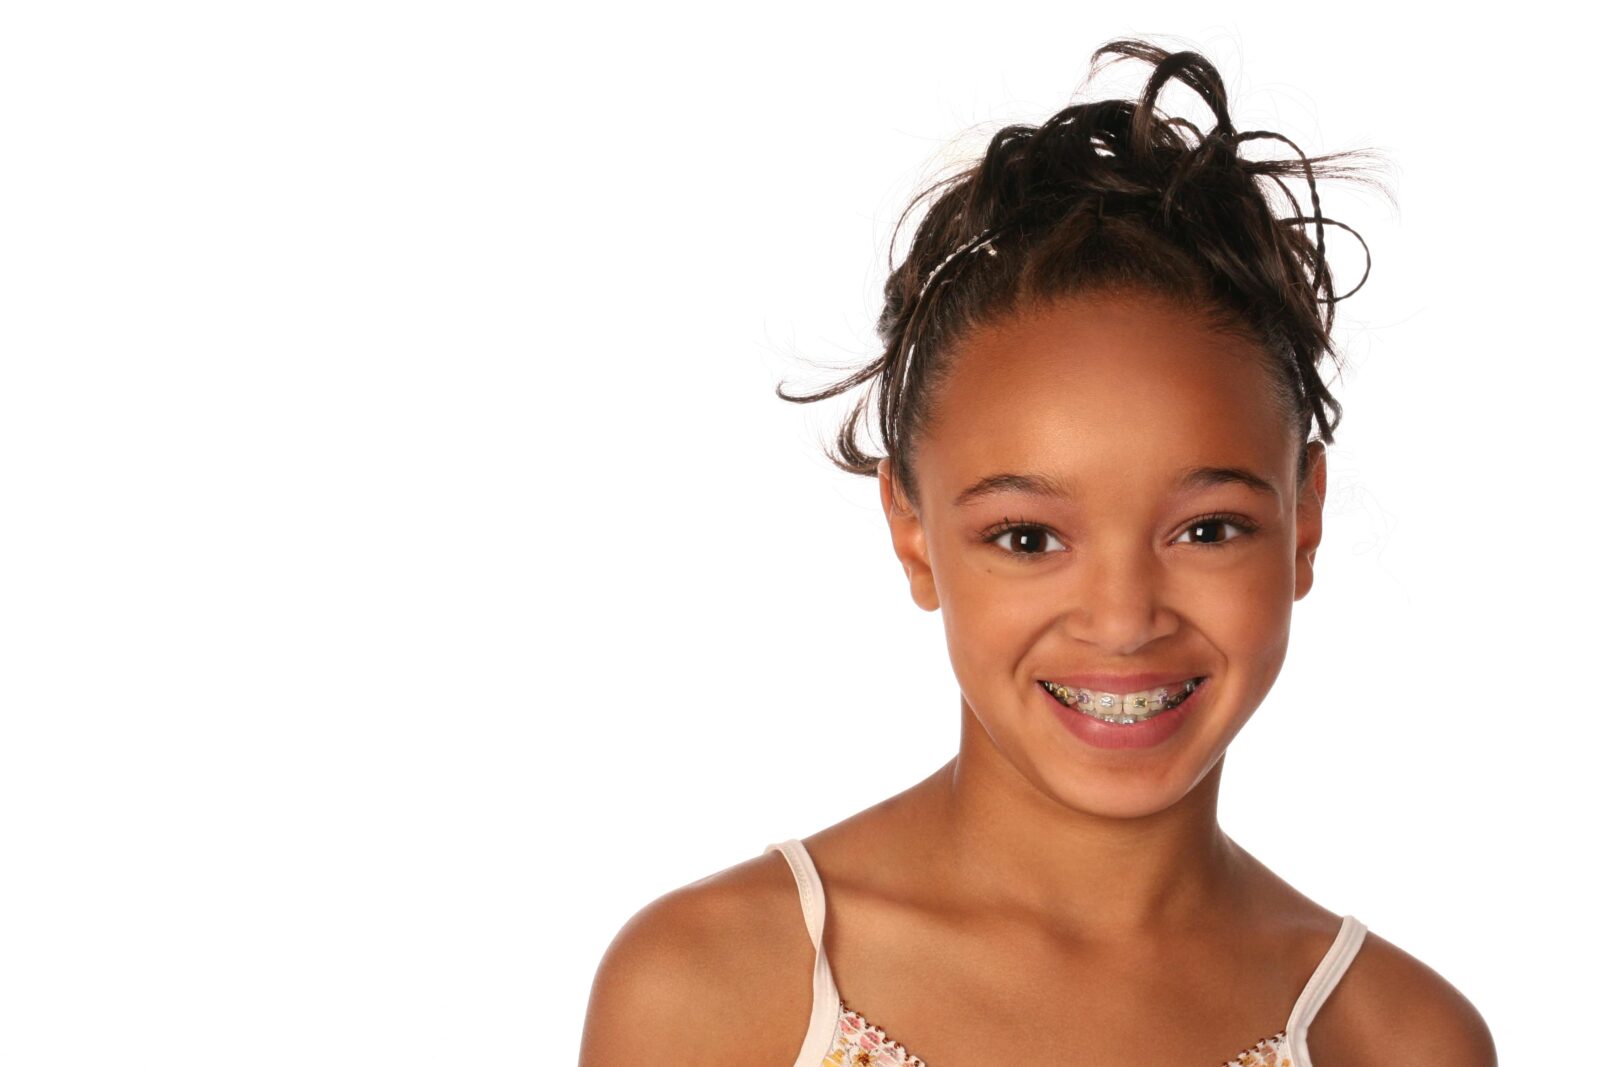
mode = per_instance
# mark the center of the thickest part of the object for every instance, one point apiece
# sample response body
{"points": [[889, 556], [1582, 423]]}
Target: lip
{"points": [[1147, 734], [1122, 683]]}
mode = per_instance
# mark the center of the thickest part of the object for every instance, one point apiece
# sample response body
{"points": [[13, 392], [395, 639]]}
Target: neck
{"points": [[1100, 877]]}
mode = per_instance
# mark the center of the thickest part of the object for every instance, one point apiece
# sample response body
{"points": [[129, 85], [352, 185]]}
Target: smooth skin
{"points": [[1037, 901]]}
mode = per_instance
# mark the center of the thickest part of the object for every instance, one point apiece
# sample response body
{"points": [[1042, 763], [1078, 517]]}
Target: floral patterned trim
{"points": [[1268, 1052], [858, 1043]]}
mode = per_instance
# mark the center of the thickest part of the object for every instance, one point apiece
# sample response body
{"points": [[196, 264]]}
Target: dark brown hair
{"points": [[1112, 194]]}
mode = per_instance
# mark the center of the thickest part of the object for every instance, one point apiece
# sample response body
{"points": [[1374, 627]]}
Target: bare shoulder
{"points": [[1391, 1007], [715, 971]]}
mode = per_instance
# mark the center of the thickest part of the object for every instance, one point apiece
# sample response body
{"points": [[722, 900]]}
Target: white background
{"points": [[408, 572]]}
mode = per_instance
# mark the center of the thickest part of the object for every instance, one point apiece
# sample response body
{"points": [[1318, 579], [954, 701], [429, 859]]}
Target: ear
{"points": [[1308, 516], [910, 542]]}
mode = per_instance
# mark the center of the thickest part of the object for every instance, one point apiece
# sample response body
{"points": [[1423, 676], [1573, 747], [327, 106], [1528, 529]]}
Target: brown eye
{"points": [[1024, 539], [1216, 523]]}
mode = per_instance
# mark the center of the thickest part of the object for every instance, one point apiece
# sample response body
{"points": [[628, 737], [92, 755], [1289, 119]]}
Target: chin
{"points": [[1125, 800], [1122, 792]]}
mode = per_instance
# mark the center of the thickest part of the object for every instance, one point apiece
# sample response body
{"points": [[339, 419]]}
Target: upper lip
{"points": [[1121, 683]]}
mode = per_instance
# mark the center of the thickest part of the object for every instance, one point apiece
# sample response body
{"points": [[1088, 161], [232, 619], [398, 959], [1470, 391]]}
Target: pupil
{"points": [[1208, 522], [1027, 539]]}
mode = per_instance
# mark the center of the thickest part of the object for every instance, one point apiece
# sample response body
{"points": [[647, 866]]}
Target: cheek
{"points": [[991, 619], [1248, 624], [1254, 608]]}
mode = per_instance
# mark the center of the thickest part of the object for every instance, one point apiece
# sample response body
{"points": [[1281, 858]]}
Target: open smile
{"points": [[1123, 708]]}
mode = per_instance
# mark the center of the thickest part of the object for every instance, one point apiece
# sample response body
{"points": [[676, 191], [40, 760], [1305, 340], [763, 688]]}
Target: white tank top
{"points": [[840, 1036]]}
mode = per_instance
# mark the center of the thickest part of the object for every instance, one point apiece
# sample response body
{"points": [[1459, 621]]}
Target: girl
{"points": [[1096, 399]]}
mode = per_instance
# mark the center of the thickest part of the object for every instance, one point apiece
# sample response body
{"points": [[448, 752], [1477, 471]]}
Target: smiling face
{"points": [[1107, 486]]}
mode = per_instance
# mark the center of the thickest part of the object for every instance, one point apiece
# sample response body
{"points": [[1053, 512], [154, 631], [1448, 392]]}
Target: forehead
{"points": [[1107, 390]]}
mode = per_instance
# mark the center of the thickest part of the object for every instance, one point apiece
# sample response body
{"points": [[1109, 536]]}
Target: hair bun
{"points": [[1115, 193]]}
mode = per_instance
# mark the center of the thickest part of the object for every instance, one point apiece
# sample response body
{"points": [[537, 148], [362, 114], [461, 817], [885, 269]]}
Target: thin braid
{"points": [[933, 275], [936, 276]]}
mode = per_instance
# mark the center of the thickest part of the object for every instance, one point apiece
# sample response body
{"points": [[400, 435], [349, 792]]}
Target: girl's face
{"points": [[1107, 486]]}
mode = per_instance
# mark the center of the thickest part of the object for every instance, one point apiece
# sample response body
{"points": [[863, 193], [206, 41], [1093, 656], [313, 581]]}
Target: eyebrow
{"points": [[1190, 481]]}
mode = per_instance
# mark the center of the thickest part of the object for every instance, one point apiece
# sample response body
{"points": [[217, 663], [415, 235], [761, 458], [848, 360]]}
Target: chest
{"points": [[857, 1042], [1033, 1003]]}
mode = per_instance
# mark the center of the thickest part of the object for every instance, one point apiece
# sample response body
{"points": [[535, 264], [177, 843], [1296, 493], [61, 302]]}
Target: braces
{"points": [[1146, 707]]}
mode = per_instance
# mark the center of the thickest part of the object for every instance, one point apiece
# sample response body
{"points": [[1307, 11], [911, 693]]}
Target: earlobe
{"points": [[910, 542]]}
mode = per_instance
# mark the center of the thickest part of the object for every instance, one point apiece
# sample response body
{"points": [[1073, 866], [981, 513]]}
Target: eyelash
{"points": [[1005, 526]]}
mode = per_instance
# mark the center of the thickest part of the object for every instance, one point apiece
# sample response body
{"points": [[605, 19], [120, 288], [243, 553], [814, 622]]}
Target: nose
{"points": [[1120, 602]]}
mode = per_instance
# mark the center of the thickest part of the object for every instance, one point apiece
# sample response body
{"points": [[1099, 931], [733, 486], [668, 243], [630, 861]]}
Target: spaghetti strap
{"points": [[1323, 979], [812, 901], [824, 993]]}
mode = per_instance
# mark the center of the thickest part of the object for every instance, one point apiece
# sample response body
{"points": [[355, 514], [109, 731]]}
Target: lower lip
{"points": [[1146, 734]]}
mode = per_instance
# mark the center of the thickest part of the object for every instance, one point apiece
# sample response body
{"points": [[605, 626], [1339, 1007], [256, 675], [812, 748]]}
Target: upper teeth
{"points": [[1123, 707]]}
